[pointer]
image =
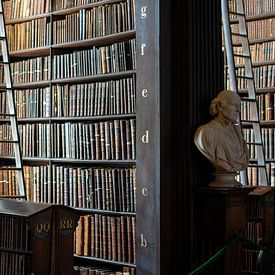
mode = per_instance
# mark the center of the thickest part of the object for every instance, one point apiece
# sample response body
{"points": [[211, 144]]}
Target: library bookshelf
{"points": [[261, 33], [73, 65], [260, 16], [82, 84]]}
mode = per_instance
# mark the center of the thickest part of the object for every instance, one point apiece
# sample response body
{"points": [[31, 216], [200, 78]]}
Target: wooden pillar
{"points": [[221, 213]]}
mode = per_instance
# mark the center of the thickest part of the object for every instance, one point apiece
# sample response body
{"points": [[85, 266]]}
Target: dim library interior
{"points": [[99, 104]]}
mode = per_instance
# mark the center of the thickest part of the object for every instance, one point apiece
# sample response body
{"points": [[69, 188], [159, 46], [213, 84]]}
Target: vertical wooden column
{"points": [[222, 212], [148, 138]]}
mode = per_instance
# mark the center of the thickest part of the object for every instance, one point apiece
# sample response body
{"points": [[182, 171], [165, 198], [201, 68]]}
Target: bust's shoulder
{"points": [[209, 128]]}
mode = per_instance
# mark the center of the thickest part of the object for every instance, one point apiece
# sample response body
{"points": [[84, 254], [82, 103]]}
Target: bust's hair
{"points": [[221, 98]]}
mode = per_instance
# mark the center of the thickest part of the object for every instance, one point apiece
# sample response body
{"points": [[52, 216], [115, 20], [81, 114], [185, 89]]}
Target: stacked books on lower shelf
{"points": [[260, 228]]}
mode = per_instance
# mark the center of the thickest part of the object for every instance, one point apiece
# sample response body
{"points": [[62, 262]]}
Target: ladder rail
{"points": [[11, 107], [229, 45], [249, 77]]}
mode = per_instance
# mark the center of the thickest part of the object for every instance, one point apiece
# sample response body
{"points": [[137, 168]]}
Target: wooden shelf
{"points": [[259, 90], [73, 80], [93, 162], [96, 41], [256, 41], [34, 52], [26, 19], [31, 85], [65, 119], [106, 212], [94, 78], [87, 6], [93, 118], [259, 64], [26, 158], [257, 17], [264, 124], [105, 261]]}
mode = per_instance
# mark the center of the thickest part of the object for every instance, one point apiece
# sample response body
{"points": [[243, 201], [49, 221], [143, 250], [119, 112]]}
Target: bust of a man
{"points": [[221, 140]]}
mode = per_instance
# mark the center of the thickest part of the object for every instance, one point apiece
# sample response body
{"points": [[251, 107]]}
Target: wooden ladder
{"points": [[235, 29], [18, 184]]}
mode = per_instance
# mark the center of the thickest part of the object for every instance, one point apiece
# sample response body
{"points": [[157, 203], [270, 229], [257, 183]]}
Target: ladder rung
{"points": [[236, 13], [12, 196], [241, 55], [239, 34], [3, 114], [244, 77], [8, 141]]}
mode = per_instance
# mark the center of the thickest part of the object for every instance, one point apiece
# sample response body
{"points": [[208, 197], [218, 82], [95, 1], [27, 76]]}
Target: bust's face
{"points": [[231, 108]]}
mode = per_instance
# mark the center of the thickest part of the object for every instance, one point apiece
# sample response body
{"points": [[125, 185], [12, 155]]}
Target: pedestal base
{"points": [[224, 179]]}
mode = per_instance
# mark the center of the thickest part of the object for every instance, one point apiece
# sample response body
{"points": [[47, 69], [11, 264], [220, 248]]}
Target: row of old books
{"points": [[29, 70], [255, 209], [107, 59], [94, 22], [13, 233], [97, 270], [34, 140], [18, 9], [107, 237], [30, 34], [108, 140], [254, 231], [110, 189], [268, 137], [264, 76], [250, 261], [14, 263], [266, 107], [8, 186], [257, 29], [112, 97], [255, 7], [115, 58], [30, 102], [253, 174], [264, 51]]}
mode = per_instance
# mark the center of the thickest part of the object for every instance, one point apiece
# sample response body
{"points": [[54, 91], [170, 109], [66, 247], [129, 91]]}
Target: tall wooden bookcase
{"points": [[260, 18], [178, 70]]}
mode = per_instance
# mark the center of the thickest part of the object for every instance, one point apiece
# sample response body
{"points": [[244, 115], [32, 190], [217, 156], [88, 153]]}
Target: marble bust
{"points": [[221, 140]]}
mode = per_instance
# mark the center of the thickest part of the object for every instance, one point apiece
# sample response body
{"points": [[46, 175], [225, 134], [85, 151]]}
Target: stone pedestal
{"points": [[224, 179]]}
